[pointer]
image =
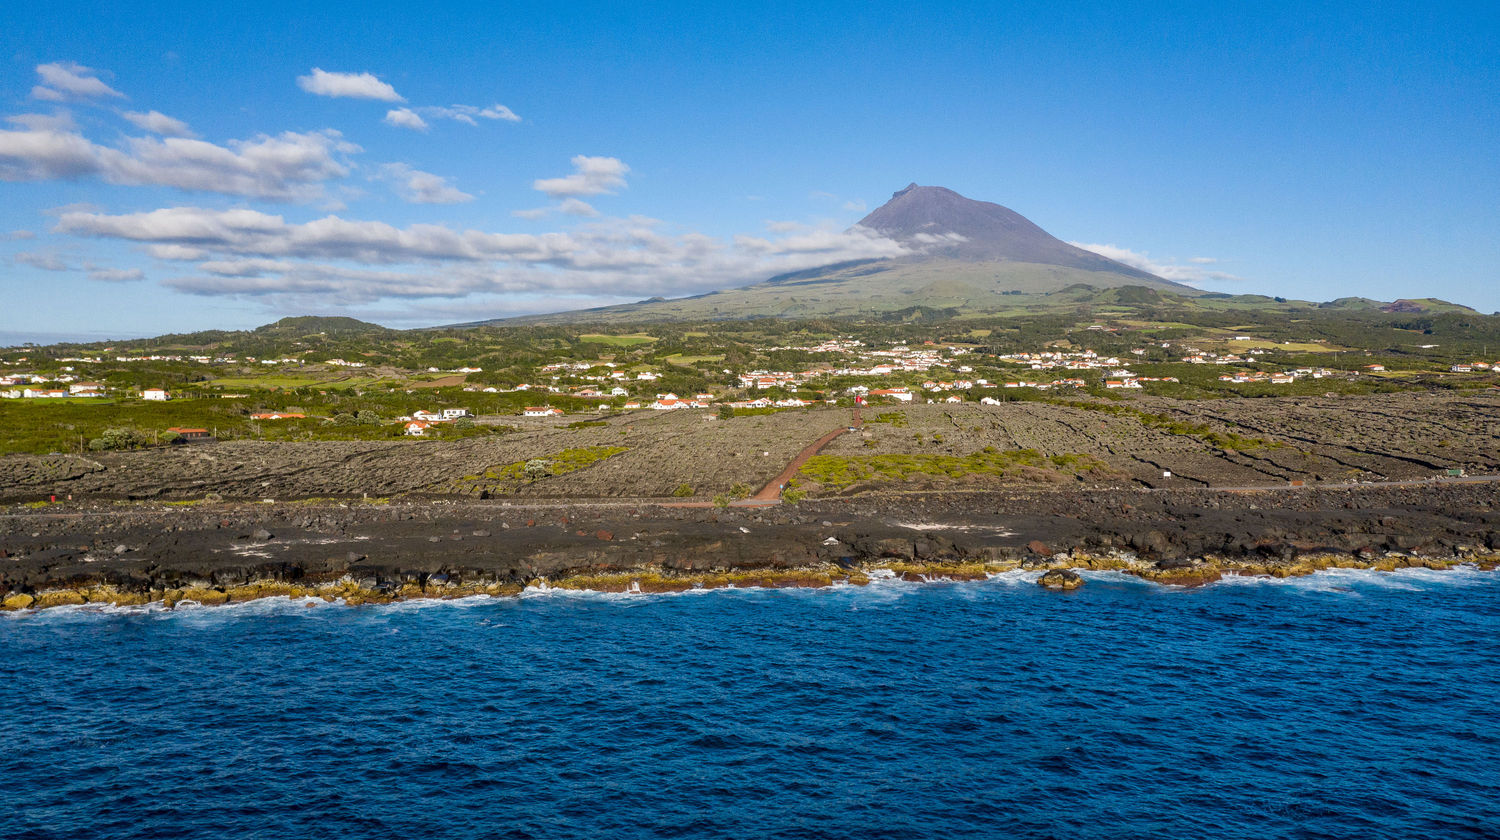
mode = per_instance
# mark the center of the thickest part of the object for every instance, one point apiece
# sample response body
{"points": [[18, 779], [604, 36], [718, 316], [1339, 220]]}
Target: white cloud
{"points": [[289, 167], [575, 207], [1167, 269], [499, 112], [18, 235], [467, 114], [60, 121], [405, 118], [591, 176], [158, 123], [348, 85], [45, 260], [64, 80], [534, 213], [420, 187], [333, 260], [105, 274], [856, 206]]}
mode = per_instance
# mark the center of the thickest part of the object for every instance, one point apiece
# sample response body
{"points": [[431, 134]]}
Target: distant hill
{"points": [[331, 326], [968, 256]]}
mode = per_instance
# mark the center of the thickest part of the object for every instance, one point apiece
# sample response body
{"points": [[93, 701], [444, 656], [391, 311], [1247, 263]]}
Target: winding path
{"points": [[771, 493]]}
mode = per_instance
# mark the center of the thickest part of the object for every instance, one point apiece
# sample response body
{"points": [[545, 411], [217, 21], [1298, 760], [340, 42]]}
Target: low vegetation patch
{"points": [[507, 478], [838, 472]]}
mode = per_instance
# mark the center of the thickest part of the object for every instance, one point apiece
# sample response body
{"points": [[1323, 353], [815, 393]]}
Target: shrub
{"points": [[343, 419], [537, 469], [739, 491], [366, 417], [118, 438], [721, 501], [683, 490]]}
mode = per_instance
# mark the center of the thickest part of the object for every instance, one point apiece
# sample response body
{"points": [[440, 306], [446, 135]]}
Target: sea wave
{"points": [[1351, 580], [883, 585]]}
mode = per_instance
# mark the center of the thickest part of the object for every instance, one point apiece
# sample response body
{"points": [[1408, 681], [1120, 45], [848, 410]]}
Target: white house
{"points": [[542, 411], [157, 394], [455, 413], [417, 428]]}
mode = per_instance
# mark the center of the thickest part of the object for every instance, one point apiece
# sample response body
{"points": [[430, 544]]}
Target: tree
{"points": [[726, 411], [366, 417], [118, 438]]}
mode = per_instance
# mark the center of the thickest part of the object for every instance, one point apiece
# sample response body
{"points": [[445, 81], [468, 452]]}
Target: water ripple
{"points": [[1344, 704]]}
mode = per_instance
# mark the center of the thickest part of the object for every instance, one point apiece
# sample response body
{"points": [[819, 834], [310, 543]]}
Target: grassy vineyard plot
{"points": [[839, 472]]}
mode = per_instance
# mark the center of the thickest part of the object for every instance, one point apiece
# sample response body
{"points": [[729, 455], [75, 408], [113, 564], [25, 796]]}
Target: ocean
{"points": [[1345, 704]]}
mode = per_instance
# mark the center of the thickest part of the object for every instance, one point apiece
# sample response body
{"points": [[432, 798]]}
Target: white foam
{"points": [[1350, 580], [944, 526]]}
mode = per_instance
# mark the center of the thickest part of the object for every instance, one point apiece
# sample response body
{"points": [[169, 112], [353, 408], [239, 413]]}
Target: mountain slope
{"points": [[965, 255], [917, 215]]}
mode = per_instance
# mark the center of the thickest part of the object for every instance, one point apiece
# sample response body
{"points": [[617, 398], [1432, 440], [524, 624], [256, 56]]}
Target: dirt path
{"points": [[771, 493]]}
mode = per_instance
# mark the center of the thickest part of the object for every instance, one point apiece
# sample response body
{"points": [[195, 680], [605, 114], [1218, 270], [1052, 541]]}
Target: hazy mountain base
{"points": [[873, 289]]}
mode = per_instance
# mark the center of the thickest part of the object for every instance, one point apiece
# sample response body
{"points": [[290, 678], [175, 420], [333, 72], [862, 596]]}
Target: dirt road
{"points": [[771, 493]]}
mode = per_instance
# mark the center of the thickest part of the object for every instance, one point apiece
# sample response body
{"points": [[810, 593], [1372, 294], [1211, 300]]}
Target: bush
{"points": [[120, 438], [366, 417], [343, 420], [683, 490], [739, 491], [537, 469], [726, 412], [169, 437], [463, 423], [721, 501]]}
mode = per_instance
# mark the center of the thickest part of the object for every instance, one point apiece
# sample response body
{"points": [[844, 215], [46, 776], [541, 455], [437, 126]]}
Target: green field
{"points": [[617, 340], [294, 382]]}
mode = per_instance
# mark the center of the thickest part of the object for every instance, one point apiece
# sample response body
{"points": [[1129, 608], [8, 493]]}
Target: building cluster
{"points": [[419, 421]]}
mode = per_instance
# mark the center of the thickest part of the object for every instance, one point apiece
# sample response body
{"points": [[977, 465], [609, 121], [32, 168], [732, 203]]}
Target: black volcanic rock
{"points": [[943, 224]]}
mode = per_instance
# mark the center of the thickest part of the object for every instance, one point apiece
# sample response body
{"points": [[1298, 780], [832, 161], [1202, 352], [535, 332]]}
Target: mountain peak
{"points": [[940, 223]]}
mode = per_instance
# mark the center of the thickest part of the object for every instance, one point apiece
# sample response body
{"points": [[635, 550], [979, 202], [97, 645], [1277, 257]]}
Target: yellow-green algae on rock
{"points": [[655, 580]]}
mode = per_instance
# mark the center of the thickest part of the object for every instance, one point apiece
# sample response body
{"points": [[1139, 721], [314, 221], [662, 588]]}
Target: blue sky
{"points": [[170, 167]]}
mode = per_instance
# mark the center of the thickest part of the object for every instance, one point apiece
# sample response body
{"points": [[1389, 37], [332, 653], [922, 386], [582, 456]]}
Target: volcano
{"points": [[939, 224], [960, 256]]}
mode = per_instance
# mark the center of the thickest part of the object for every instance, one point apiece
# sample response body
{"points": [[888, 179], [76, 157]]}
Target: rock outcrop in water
{"points": [[1060, 579]]}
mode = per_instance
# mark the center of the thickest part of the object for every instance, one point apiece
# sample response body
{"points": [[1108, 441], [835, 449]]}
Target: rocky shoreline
{"points": [[364, 552]]}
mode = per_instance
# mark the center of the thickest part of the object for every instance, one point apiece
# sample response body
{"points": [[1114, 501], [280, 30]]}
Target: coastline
{"points": [[126, 554]]}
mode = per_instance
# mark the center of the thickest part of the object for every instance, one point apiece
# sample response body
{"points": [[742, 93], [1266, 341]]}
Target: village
{"points": [[840, 369]]}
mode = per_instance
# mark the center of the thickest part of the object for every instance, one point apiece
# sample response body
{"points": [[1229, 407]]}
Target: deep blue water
{"points": [[1344, 705]]}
